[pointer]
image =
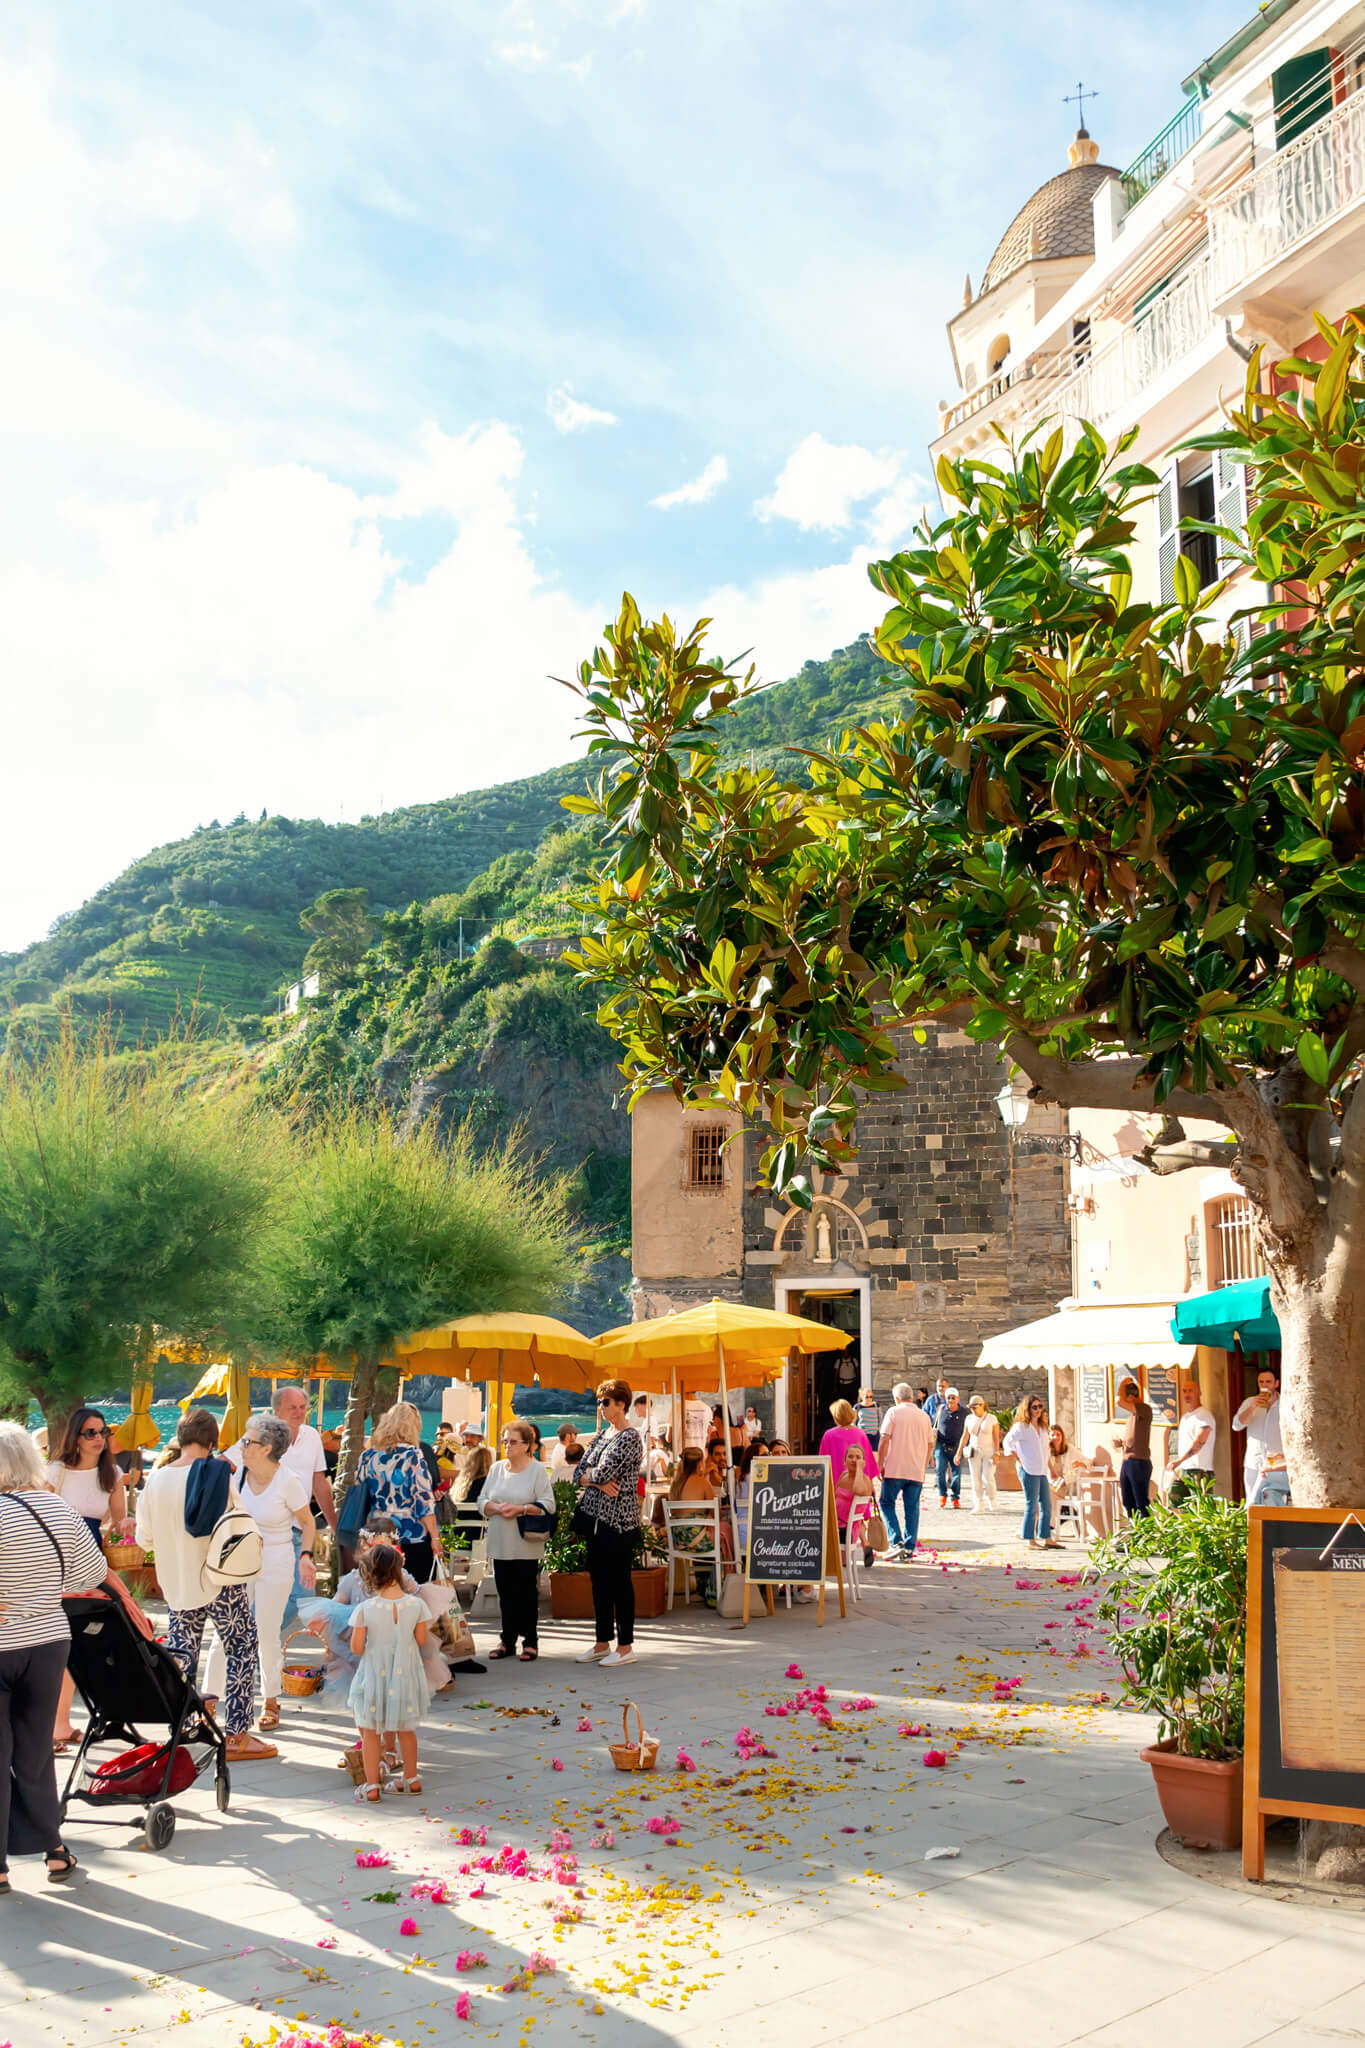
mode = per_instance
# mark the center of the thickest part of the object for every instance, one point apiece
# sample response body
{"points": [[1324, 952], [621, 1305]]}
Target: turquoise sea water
{"points": [[166, 1414]]}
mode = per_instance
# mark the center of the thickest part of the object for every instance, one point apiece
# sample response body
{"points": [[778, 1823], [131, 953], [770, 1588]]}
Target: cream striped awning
{"points": [[1123, 1334]]}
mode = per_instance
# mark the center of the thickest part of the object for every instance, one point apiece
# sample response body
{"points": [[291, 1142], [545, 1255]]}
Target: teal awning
{"points": [[1240, 1313]]}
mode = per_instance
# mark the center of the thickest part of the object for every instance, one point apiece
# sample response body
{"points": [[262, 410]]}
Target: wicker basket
{"points": [[640, 1755], [125, 1557], [299, 1682]]}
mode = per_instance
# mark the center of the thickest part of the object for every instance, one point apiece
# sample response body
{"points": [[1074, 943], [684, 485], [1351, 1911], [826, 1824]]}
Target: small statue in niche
{"points": [[824, 1239]]}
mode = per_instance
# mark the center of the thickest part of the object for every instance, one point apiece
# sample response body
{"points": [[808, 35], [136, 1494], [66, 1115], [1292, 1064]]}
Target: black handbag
{"points": [[536, 1525]]}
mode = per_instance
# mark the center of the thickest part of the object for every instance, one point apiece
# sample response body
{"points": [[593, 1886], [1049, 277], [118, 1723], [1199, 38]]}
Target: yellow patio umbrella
{"points": [[715, 1334], [538, 1350], [231, 1383], [138, 1433]]}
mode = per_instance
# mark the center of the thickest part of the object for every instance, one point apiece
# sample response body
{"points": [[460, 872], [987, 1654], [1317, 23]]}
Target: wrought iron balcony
{"points": [[1289, 198], [1166, 149]]}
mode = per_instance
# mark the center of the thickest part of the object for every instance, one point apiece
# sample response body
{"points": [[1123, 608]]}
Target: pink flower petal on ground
{"points": [[409, 1928], [462, 2006], [934, 1758], [585, 1726], [793, 1671]]}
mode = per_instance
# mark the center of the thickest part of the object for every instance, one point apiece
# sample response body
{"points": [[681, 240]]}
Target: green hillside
{"points": [[213, 920]]}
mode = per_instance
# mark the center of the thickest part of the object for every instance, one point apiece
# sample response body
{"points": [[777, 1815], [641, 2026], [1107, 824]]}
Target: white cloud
{"points": [[570, 415], [822, 481], [269, 646], [524, 56], [699, 490], [788, 618]]}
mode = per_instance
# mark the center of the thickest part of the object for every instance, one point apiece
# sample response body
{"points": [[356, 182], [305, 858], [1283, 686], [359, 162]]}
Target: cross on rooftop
{"points": [[1081, 95]]}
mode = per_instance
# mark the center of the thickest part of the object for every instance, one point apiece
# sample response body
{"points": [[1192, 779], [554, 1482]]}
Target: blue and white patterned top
{"points": [[399, 1487]]}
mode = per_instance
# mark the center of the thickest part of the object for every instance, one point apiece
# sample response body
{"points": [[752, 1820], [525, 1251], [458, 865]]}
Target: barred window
{"points": [[706, 1158], [1232, 1233]]}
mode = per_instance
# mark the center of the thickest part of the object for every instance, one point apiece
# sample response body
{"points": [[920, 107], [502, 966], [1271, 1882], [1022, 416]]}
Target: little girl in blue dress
{"points": [[389, 1692]]}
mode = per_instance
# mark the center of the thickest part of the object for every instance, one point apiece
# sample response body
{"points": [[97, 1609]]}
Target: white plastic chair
{"points": [[855, 1542], [691, 1515]]}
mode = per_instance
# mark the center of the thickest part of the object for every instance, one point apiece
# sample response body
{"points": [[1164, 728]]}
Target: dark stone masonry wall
{"points": [[961, 1235]]}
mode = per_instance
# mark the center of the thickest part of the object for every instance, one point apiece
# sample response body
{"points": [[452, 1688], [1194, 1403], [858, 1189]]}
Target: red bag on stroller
{"points": [[137, 1773]]}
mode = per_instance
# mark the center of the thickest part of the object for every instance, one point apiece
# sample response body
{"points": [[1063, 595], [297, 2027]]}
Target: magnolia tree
{"points": [[1104, 834]]}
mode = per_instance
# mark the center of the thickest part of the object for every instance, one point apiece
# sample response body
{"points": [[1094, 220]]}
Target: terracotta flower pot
{"points": [[571, 1596], [650, 1590], [1202, 1801]]}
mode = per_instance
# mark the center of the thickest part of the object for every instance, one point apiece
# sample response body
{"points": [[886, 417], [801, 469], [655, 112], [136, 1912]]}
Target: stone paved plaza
{"points": [[798, 1900]]}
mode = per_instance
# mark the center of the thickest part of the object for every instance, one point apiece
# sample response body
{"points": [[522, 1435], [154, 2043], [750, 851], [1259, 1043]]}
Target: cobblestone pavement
{"points": [[793, 1895]]}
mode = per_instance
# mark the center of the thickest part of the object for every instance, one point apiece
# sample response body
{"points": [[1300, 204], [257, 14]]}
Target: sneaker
{"points": [[593, 1656], [943, 1500], [626, 1656], [957, 1503]]}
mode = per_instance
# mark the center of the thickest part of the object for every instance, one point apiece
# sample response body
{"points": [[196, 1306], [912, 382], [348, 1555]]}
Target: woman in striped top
{"points": [[45, 1551]]}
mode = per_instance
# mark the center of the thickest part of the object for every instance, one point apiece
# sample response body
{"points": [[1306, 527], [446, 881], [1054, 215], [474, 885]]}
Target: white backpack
{"points": [[235, 1552]]}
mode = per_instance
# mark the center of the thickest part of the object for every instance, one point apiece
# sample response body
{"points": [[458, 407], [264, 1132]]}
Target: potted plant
{"points": [[566, 1558], [1006, 1471], [1175, 1606]]}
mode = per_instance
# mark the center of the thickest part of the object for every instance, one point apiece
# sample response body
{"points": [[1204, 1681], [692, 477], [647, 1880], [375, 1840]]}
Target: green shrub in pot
{"points": [[1174, 1605]]}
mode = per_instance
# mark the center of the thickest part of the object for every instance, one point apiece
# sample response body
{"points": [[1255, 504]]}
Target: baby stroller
{"points": [[125, 1677]]}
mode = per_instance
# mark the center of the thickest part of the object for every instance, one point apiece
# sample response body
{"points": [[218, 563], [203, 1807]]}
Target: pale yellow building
{"points": [[1133, 297]]}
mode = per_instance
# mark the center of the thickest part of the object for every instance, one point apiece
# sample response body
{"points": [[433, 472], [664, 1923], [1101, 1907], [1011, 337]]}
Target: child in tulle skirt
{"points": [[388, 1694]]}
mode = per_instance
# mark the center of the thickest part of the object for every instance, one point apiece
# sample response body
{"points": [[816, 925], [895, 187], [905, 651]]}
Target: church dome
{"points": [[1056, 221]]}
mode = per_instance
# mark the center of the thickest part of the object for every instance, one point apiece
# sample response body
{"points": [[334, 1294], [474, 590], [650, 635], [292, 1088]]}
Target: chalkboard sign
{"points": [[1162, 1389], [1305, 1671], [790, 1502], [1095, 1393]]}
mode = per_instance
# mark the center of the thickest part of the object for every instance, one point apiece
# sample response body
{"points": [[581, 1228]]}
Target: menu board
{"points": [[1320, 1628], [1095, 1393], [1305, 1670], [1163, 1388], [790, 1503]]}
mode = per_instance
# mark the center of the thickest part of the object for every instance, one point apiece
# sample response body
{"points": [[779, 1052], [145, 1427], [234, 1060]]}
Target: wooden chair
{"points": [[691, 1516]]}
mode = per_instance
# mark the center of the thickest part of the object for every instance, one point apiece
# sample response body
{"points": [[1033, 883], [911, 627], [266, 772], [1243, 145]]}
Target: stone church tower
{"points": [[946, 1229]]}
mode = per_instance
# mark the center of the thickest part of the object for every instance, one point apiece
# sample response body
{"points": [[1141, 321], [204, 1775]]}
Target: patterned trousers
{"points": [[235, 1624]]}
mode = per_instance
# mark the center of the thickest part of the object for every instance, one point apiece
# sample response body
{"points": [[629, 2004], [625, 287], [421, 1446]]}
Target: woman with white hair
{"points": [[396, 1474], [45, 1551], [277, 1500]]}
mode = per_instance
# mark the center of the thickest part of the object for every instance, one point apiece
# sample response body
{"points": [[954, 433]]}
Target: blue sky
{"points": [[354, 357]]}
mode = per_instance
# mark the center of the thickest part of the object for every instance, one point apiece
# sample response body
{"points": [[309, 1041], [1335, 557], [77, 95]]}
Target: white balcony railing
{"points": [[1289, 197], [1164, 333]]}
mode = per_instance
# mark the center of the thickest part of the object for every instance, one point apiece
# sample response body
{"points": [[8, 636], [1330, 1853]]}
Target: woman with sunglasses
{"points": [[86, 1477], [1026, 1443], [89, 1481]]}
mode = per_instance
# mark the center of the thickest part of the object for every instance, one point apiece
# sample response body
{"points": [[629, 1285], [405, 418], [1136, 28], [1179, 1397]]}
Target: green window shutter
{"points": [[1303, 94]]}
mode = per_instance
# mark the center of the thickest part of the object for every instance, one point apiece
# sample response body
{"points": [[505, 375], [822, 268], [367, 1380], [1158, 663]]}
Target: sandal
{"points": [[413, 1785], [65, 1862], [368, 1793], [528, 1655], [270, 1716], [495, 1655]]}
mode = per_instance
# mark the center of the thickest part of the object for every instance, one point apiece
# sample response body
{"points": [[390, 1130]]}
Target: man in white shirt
{"points": [[1263, 1468], [305, 1457], [1192, 1463]]}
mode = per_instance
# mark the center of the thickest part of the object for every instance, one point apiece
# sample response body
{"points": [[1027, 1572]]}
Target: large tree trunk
{"points": [[1322, 1389], [353, 1428]]}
